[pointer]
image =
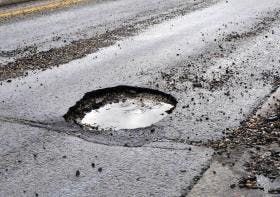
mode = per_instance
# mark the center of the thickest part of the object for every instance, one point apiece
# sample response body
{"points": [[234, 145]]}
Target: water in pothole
{"points": [[127, 114], [120, 107]]}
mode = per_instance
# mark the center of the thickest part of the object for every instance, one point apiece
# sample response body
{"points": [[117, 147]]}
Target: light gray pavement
{"points": [[56, 29], [239, 77], [35, 160], [236, 74]]}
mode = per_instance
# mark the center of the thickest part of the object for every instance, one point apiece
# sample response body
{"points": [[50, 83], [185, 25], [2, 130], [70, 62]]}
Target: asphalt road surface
{"points": [[219, 59]]}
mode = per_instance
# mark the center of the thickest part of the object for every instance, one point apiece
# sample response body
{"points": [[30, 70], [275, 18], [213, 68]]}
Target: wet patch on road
{"points": [[33, 60]]}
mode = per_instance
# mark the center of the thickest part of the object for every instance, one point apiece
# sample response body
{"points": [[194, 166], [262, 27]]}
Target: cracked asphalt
{"points": [[219, 59]]}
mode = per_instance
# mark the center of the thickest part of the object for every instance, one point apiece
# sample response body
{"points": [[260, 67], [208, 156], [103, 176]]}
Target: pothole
{"points": [[121, 108]]}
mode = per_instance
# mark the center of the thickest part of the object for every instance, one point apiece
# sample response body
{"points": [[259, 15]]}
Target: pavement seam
{"points": [[196, 179], [213, 159], [50, 128], [252, 115]]}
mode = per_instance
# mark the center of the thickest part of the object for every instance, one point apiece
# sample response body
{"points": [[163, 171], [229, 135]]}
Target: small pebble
{"points": [[78, 173]]}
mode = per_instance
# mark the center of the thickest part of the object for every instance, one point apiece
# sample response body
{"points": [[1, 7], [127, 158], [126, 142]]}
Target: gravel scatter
{"points": [[259, 138]]}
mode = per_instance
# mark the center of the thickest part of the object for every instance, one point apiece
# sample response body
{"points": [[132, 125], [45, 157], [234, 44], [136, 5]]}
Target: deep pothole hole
{"points": [[121, 108]]}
